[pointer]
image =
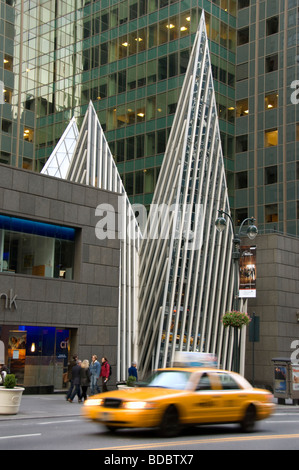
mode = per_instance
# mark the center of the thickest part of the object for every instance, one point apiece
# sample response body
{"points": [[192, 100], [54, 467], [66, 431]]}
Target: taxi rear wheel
{"points": [[170, 423], [112, 429], [248, 422]]}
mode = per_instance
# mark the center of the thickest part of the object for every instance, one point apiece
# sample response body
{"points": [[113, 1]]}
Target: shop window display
{"points": [[35, 248], [37, 355]]}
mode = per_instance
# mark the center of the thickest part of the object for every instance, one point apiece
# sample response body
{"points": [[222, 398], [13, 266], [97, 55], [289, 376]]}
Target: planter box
{"points": [[10, 400]]}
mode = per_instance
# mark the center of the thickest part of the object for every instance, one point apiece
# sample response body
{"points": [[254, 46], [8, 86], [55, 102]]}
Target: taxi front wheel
{"points": [[170, 423], [248, 422]]}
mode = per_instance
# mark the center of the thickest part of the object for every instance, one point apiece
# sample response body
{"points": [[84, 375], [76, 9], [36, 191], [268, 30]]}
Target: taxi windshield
{"points": [[174, 379]]}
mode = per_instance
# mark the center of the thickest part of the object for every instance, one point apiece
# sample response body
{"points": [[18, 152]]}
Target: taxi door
{"points": [[204, 401], [232, 396]]}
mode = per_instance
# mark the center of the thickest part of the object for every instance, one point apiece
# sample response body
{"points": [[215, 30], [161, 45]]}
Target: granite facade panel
{"points": [[276, 304]]}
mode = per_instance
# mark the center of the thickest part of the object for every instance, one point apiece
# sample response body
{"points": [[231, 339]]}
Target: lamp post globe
{"points": [[252, 232], [220, 224]]}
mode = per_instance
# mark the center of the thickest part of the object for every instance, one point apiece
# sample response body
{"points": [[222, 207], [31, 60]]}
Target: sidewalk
{"points": [[45, 406], [56, 406]]}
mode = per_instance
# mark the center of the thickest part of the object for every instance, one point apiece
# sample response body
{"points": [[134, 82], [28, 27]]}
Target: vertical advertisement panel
{"points": [[247, 287], [295, 381], [280, 379]]}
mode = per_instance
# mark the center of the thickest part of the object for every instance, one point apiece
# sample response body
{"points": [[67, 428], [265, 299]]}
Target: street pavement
{"points": [[56, 406]]}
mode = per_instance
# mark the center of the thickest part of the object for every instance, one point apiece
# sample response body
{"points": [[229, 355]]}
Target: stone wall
{"points": [[276, 304]]}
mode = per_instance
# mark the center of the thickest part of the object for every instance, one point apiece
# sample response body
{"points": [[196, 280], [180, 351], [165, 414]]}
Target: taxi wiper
{"points": [[157, 386]]}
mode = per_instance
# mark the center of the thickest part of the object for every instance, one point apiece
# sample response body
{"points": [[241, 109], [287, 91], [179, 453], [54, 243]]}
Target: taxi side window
{"points": [[228, 382], [204, 383]]}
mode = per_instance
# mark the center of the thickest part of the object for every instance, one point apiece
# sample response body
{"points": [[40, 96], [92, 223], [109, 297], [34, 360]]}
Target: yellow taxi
{"points": [[182, 396]]}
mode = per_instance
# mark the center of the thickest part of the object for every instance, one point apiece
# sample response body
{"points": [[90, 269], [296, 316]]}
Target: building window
{"points": [[272, 25], [271, 63], [243, 36], [297, 132], [271, 213], [271, 137], [242, 108], [243, 4], [139, 182], [271, 175], [6, 126], [271, 100], [34, 248], [28, 134], [241, 180], [27, 163], [242, 72], [129, 183], [9, 31], [5, 157], [8, 62], [241, 143], [240, 215], [7, 95]]}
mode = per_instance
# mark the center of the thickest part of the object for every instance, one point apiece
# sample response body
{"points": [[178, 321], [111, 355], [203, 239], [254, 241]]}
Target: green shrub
{"points": [[131, 381], [10, 381], [235, 319]]}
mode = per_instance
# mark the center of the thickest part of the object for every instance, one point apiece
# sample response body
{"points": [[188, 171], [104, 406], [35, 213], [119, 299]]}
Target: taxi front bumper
{"points": [[145, 418], [264, 410]]}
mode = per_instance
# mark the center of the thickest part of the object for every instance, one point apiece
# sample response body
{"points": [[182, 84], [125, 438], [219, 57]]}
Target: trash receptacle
{"points": [[282, 378]]}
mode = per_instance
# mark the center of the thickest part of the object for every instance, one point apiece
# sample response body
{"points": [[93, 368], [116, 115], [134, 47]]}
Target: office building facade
{"points": [[267, 119], [58, 281]]}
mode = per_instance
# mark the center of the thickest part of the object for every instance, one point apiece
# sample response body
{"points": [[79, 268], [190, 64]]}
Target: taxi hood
{"points": [[142, 393]]}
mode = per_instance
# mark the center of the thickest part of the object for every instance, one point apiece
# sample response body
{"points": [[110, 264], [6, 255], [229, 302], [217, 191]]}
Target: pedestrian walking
{"points": [[76, 378], [132, 371], [69, 375], [95, 369], [85, 375], [105, 373]]}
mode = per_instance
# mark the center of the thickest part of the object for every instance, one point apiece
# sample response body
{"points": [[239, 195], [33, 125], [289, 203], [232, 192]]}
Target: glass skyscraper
{"points": [[129, 58]]}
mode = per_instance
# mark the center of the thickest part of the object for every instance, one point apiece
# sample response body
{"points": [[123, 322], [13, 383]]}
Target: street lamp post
{"points": [[251, 233]]}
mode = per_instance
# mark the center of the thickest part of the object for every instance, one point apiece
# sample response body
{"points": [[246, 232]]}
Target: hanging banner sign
{"points": [[247, 287]]}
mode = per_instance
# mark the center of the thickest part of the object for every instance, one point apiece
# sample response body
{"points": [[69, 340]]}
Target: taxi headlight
{"points": [[94, 402], [138, 405], [270, 398]]}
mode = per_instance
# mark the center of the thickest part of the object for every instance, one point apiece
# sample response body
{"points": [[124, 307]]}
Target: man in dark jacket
{"points": [[69, 375], [132, 371], [76, 378]]}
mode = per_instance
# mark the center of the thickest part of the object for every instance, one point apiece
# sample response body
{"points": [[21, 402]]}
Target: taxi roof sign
{"points": [[194, 359]]}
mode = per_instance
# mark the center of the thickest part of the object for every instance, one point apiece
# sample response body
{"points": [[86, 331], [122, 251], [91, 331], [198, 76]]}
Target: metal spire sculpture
{"points": [[185, 274]]}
